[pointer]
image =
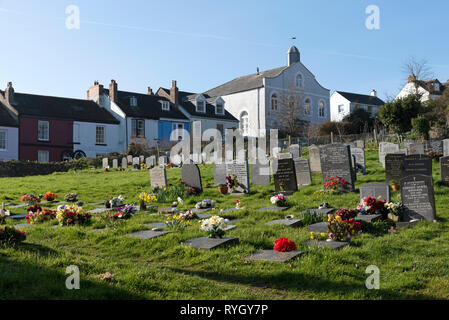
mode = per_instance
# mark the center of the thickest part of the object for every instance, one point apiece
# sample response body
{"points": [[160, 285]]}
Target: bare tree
{"points": [[417, 71]]}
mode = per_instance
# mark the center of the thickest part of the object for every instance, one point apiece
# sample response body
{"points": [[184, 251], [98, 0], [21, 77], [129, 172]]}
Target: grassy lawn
{"points": [[413, 262]]}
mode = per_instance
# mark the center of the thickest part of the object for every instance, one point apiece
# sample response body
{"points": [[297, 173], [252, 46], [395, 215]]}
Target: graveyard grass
{"points": [[412, 262]]}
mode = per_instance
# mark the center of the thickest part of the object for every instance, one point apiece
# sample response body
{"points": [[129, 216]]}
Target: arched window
{"points": [[274, 101], [307, 106], [298, 81], [244, 122], [321, 109]]}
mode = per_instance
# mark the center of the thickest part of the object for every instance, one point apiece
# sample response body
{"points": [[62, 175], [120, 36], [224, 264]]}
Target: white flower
{"points": [[180, 201]]}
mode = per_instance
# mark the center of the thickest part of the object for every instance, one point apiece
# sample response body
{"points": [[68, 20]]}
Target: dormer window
{"points": [[200, 106], [219, 109], [165, 105], [133, 102]]}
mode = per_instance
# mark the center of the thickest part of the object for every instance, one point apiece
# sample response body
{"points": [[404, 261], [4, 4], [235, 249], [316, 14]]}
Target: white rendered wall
{"points": [[12, 144]]}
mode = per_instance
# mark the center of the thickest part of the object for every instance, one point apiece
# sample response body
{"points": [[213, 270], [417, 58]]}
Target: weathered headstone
{"points": [[359, 144], [433, 146], [130, 159], [240, 169], [105, 163], [446, 147], [418, 197], [124, 163], [148, 162], [444, 170], [336, 162], [153, 161], [136, 163], [295, 150], [302, 170], [190, 174], [393, 167], [386, 148], [314, 159], [285, 155], [285, 176], [415, 148], [163, 160], [158, 177], [114, 163], [417, 164], [219, 173], [260, 174], [359, 155], [376, 190]]}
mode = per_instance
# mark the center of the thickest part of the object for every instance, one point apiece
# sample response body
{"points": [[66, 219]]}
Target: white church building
{"points": [[255, 99]]}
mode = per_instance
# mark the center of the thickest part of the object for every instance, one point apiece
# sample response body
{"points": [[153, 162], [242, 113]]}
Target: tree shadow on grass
{"points": [[299, 282]]}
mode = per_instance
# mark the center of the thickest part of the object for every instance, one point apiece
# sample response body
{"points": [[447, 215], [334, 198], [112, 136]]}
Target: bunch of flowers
{"points": [[342, 230], [206, 203], [40, 216], [11, 235], [371, 205], [170, 165], [147, 197], [238, 204], [73, 215], [215, 226], [30, 199], [395, 210], [188, 215], [115, 202], [49, 196], [71, 197], [319, 236], [124, 212], [279, 199], [232, 182], [177, 222], [284, 245], [434, 154], [346, 214], [331, 184], [34, 208]]}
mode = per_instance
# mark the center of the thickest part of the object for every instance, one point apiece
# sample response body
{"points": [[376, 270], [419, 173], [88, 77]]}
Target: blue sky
{"points": [[202, 44]]}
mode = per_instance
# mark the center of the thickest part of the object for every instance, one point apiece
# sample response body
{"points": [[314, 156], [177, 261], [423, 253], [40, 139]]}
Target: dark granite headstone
{"points": [[285, 176], [335, 245], [272, 208], [314, 159], [286, 222], [206, 243], [147, 234], [219, 173], [295, 150], [318, 227], [158, 177], [190, 174], [240, 169], [274, 256], [368, 217], [418, 197], [393, 167], [417, 164], [444, 170], [376, 190], [303, 174], [336, 162], [260, 174]]}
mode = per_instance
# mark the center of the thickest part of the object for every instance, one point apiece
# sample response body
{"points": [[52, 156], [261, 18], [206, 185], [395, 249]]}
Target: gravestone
{"points": [[418, 197], [359, 155], [285, 176], [286, 155], [114, 163], [295, 150], [163, 160], [303, 174], [147, 234], [376, 190], [415, 148], [190, 174], [334, 245], [417, 164], [286, 222], [446, 147], [153, 162], [124, 163], [206, 243], [219, 173], [136, 163], [158, 177], [393, 167], [274, 256], [433, 146], [260, 174], [386, 148], [359, 144], [272, 208], [444, 170], [105, 163], [148, 162], [336, 162], [240, 169], [141, 159], [130, 159], [314, 159]]}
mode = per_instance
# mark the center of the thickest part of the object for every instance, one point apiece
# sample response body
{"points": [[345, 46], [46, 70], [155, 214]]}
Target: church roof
{"points": [[362, 98], [293, 49]]}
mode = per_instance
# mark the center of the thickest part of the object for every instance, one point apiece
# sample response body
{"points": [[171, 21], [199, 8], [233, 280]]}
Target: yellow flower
{"points": [[312, 236], [323, 235]]}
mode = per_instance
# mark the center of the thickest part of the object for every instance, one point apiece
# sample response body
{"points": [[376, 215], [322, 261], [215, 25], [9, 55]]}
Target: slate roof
{"points": [[428, 85], [362, 98], [148, 106], [6, 118], [188, 102], [46, 107], [244, 83]]}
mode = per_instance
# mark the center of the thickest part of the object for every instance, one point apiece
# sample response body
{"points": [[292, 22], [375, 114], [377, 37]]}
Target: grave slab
{"points": [[202, 216], [147, 234], [324, 211], [274, 256], [272, 209], [23, 225], [17, 216], [318, 227], [368, 217], [160, 225], [229, 228], [166, 210], [286, 222], [230, 210], [205, 243], [195, 210], [98, 210], [335, 245]]}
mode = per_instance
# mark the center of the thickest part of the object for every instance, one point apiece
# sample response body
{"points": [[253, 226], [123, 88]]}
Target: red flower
{"points": [[284, 244]]}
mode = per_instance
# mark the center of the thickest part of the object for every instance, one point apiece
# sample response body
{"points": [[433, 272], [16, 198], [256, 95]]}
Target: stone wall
{"points": [[31, 168]]}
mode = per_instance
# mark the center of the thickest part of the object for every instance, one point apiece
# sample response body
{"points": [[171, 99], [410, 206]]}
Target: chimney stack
{"points": [[174, 93], [95, 91], [113, 93], [374, 93], [150, 91], [9, 93]]}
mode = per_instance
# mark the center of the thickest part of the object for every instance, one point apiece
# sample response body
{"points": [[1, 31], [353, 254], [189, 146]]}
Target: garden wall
{"points": [[31, 168]]}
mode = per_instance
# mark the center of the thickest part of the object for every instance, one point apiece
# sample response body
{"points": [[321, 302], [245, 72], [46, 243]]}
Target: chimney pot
{"points": [[150, 91], [95, 91], [113, 92], [374, 93], [9, 93], [174, 93]]}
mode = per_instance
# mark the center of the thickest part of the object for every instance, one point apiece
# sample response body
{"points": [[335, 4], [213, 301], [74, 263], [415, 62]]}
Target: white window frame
{"points": [[309, 104], [301, 84], [5, 139], [342, 109], [76, 133], [97, 136], [46, 133], [321, 106], [165, 105], [40, 153], [222, 107], [204, 105]]}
